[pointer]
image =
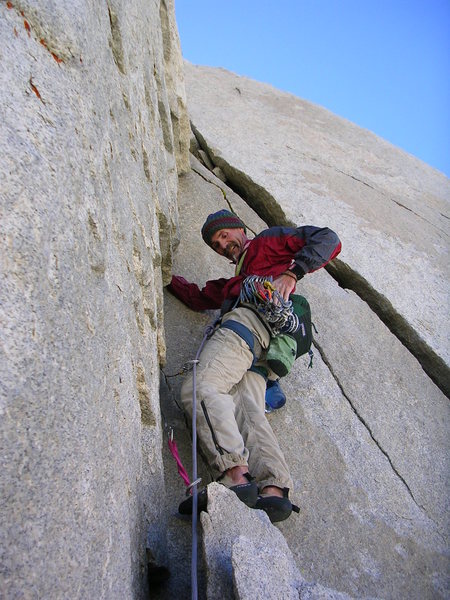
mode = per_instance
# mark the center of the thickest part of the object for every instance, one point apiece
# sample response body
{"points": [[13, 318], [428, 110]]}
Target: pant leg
{"points": [[223, 363], [231, 422], [266, 461]]}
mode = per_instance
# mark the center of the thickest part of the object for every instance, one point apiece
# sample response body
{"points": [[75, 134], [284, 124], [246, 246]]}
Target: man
{"points": [[231, 422]]}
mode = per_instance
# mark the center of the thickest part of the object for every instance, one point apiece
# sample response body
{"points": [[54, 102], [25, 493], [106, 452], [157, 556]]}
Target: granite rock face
{"points": [[247, 558], [89, 222], [294, 161], [97, 194], [365, 431]]}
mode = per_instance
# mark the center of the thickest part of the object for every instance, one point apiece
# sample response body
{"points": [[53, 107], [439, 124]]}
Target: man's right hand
{"points": [[285, 285]]}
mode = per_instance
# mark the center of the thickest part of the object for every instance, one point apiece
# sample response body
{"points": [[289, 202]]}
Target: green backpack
{"points": [[285, 348]]}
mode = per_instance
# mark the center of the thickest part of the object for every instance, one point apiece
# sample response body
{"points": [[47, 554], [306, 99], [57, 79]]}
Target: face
{"points": [[229, 243]]}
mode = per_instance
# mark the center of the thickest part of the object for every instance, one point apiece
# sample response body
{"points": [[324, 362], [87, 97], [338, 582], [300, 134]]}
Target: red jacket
{"points": [[302, 249]]}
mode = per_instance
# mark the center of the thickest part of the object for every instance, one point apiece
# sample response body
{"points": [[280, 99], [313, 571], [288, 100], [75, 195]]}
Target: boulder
{"points": [[247, 558]]}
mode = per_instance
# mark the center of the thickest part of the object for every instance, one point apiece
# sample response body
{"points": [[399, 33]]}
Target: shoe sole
{"points": [[277, 509], [246, 492]]}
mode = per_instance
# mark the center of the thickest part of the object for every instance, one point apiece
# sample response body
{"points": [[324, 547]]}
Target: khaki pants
{"points": [[231, 422]]}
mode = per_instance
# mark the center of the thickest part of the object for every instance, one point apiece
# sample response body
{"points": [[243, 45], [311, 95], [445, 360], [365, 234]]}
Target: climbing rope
{"points": [[195, 481], [270, 304], [191, 488]]}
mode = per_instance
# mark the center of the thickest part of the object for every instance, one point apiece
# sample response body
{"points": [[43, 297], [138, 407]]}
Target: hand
{"points": [[285, 285]]}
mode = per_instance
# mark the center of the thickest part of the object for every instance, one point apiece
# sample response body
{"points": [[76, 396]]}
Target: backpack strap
{"points": [[240, 263]]}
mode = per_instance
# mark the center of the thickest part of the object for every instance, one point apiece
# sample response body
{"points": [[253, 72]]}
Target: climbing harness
{"points": [[270, 304]]}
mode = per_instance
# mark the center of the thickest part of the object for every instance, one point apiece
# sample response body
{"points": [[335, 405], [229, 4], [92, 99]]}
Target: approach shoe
{"points": [[185, 507], [276, 508], [246, 492]]}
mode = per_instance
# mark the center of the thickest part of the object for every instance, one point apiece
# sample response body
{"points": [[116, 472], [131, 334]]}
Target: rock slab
{"points": [[365, 431], [89, 217], [297, 161]]}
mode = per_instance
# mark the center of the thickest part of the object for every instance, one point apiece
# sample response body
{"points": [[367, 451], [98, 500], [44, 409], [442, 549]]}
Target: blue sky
{"points": [[384, 65]]}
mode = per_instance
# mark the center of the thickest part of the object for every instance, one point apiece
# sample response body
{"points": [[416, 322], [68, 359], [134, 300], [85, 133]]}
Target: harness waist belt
{"points": [[243, 332]]}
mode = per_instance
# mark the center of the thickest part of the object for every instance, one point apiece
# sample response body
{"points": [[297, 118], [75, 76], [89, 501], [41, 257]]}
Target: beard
{"points": [[232, 251]]}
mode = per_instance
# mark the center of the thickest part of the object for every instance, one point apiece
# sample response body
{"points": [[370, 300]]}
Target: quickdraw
{"points": [[174, 451], [270, 304]]}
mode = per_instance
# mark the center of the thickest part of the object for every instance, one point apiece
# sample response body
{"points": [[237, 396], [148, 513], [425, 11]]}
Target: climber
{"points": [[232, 426]]}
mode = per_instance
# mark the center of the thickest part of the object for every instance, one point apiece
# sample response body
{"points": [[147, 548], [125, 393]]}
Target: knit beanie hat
{"points": [[222, 219]]}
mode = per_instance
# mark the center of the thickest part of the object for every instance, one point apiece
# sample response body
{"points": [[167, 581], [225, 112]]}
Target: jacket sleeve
{"points": [[211, 296], [319, 246]]}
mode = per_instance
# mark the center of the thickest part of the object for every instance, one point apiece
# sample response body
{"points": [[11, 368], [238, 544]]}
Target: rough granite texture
{"points": [[89, 182], [298, 161], [247, 558], [365, 432], [94, 137]]}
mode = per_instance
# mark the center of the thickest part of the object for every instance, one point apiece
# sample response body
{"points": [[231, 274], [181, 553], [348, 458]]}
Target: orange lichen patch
{"points": [[55, 56], [16, 33], [41, 41], [35, 90]]}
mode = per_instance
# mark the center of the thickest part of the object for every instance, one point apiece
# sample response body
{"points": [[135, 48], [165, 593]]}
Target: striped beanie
{"points": [[222, 219]]}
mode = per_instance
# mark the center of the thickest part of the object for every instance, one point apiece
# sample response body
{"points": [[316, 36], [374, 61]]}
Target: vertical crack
{"points": [[433, 365], [230, 206], [171, 393], [224, 194], [257, 197], [171, 397], [115, 41], [365, 424]]}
